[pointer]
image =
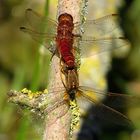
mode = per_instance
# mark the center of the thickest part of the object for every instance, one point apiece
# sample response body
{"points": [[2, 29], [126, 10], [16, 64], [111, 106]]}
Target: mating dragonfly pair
{"points": [[61, 34]]}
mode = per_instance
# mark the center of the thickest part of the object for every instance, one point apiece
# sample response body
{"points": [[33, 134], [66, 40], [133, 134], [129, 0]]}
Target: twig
{"points": [[59, 130], [58, 121], [51, 105]]}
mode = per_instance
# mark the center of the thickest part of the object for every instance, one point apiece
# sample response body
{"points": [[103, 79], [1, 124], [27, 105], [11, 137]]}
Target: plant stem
{"points": [[58, 121]]}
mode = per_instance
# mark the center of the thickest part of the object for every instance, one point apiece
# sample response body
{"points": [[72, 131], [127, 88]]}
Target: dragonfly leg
{"points": [[54, 53], [62, 69]]}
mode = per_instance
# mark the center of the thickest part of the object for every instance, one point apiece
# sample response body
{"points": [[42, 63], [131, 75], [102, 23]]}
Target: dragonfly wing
{"points": [[117, 100], [99, 27], [42, 38], [39, 23], [105, 112], [111, 115], [91, 46]]}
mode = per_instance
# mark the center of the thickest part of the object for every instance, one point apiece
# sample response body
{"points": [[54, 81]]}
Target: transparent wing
{"points": [[43, 30], [46, 40], [102, 111], [115, 99], [99, 27], [105, 112], [39, 23], [91, 46]]}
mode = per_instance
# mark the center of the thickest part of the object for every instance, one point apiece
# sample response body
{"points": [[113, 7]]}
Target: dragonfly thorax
{"points": [[72, 82]]}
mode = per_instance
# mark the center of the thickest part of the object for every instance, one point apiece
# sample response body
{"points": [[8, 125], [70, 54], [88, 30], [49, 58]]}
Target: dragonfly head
{"points": [[72, 93]]}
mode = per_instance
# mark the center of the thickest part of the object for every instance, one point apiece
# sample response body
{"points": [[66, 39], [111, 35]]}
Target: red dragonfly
{"points": [[61, 34]]}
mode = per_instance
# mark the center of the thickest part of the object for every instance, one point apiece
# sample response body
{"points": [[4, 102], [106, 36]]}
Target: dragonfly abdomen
{"points": [[64, 39], [65, 49]]}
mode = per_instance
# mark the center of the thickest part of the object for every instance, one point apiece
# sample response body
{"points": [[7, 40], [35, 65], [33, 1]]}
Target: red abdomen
{"points": [[65, 50], [64, 39]]}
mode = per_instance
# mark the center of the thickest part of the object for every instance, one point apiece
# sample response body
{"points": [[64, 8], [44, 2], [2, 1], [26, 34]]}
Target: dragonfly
{"points": [[62, 34], [49, 33]]}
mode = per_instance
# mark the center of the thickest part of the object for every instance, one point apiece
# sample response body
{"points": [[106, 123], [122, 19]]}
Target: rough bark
{"points": [[59, 129]]}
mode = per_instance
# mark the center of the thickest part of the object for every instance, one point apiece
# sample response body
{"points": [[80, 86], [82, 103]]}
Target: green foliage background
{"points": [[22, 65]]}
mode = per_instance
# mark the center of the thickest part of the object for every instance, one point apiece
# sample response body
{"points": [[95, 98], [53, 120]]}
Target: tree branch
{"points": [[51, 105], [60, 129]]}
